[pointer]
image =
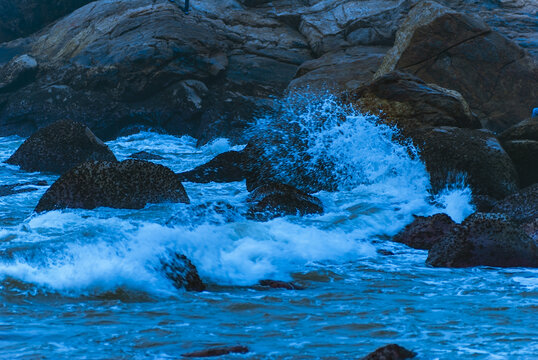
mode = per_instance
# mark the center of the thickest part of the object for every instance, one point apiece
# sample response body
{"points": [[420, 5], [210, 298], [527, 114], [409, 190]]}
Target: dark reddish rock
{"points": [[225, 167], [129, 184], [449, 152], [144, 155], [485, 240], [218, 352], [406, 101], [59, 147], [390, 352], [424, 232], [521, 206], [276, 284], [183, 274], [498, 78], [275, 200]]}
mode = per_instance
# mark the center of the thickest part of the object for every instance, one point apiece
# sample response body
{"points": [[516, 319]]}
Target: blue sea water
{"points": [[83, 284]]}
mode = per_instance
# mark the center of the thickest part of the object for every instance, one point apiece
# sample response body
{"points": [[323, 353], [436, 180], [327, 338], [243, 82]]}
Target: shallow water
{"points": [[84, 284]]}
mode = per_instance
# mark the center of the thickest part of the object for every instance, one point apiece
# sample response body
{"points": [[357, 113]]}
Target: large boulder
{"points": [[450, 152], [521, 206], [406, 101], [485, 240], [275, 200], [424, 232], [456, 51], [181, 271], [130, 184], [59, 147], [521, 143]]}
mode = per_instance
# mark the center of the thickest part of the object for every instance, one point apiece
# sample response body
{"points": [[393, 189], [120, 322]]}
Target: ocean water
{"points": [[84, 284]]}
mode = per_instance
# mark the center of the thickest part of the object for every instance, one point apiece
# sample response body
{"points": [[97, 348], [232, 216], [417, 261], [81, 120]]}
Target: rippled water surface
{"points": [[83, 284]]}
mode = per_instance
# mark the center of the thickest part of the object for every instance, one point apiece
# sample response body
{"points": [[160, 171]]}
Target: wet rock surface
{"points": [[10, 189], [219, 351], [424, 232], [59, 147], [277, 284], [485, 240], [129, 184], [226, 167], [390, 352], [183, 274], [521, 206]]}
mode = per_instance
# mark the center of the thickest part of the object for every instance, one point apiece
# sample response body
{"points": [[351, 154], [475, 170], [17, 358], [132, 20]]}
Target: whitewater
{"points": [[87, 284]]}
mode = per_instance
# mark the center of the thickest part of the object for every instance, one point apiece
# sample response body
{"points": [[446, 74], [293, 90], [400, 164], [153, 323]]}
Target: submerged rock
{"points": [[424, 232], [485, 240], [276, 284], [11, 189], [59, 147], [180, 270], [476, 154], [226, 167], [275, 200], [129, 184], [390, 352], [406, 101], [218, 352], [218, 213], [456, 51]]}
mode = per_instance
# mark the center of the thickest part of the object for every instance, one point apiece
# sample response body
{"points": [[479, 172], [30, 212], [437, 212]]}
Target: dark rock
{"points": [[129, 184], [424, 232], [182, 272], [385, 252], [218, 351], [408, 102], [497, 77], [485, 240], [17, 73], [449, 152], [144, 155], [390, 352], [274, 200], [275, 284], [59, 147], [225, 167], [483, 203], [525, 130], [521, 206], [11, 189]]}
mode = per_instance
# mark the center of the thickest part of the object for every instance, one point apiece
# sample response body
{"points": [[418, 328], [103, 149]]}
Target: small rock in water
{"points": [[276, 284], [60, 147], [424, 232], [218, 352], [225, 167], [182, 272], [385, 252], [390, 352], [144, 155], [11, 189], [275, 200]]}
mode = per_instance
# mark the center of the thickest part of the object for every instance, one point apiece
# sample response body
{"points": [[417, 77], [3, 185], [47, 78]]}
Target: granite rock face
{"points": [[130, 184]]}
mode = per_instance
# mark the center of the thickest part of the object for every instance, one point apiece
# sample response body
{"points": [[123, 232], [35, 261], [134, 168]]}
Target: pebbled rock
{"points": [[59, 147], [218, 352], [390, 352], [521, 206], [456, 51], [183, 274], [485, 240], [275, 200], [144, 155], [130, 184], [406, 101], [449, 152], [226, 167], [424, 232], [17, 73]]}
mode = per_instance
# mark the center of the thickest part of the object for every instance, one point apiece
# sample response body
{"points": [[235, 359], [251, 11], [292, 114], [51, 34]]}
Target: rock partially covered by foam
{"points": [[390, 352], [476, 154], [130, 184], [59, 147], [424, 232], [181, 271], [274, 200], [485, 240]]}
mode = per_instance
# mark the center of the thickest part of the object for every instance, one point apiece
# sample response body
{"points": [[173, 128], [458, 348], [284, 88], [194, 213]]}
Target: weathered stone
{"points": [[181, 272], [390, 352], [477, 154], [424, 232], [129, 184], [59, 147], [497, 77], [521, 206], [404, 100], [17, 73], [485, 240], [225, 167]]}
